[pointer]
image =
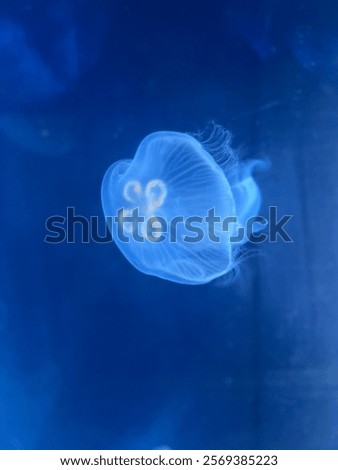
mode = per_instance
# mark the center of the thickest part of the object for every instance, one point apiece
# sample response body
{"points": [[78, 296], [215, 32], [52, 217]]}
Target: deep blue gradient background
{"points": [[93, 354]]}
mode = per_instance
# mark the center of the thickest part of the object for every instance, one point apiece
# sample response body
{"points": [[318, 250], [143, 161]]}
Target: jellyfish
{"points": [[179, 209]]}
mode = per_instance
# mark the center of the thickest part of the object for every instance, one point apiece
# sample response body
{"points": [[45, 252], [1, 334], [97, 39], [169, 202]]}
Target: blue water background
{"points": [[94, 354]]}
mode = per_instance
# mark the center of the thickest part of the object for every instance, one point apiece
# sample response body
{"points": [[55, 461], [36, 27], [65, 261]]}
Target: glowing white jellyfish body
{"points": [[174, 210]]}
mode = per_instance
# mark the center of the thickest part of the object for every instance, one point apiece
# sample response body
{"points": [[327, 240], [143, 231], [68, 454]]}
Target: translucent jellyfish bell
{"points": [[174, 209]]}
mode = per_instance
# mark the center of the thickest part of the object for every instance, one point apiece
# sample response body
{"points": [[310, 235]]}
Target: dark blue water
{"points": [[94, 354]]}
